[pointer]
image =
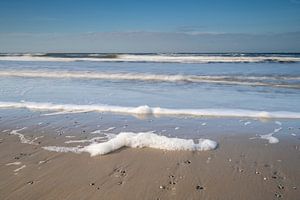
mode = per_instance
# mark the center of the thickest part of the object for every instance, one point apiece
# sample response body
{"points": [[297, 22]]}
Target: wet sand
{"points": [[239, 168]]}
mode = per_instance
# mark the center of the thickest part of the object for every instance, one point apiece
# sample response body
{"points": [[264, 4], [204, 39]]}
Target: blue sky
{"points": [[149, 25]]}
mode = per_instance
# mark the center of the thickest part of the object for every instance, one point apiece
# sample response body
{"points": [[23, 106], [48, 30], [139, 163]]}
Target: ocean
{"points": [[214, 86]]}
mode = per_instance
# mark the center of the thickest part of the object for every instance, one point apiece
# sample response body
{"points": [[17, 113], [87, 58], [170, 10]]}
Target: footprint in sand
{"points": [[119, 173]]}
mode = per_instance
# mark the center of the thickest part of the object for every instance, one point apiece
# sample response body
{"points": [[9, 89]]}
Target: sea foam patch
{"points": [[22, 137], [139, 140], [270, 137]]}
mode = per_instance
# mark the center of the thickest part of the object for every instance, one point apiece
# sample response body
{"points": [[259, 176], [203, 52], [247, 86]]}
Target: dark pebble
{"points": [[280, 186], [187, 162], [278, 195], [199, 187], [98, 188], [274, 177], [172, 183], [162, 187]]}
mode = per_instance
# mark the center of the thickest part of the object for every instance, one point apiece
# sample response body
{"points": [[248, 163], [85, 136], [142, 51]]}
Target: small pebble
{"points": [[187, 162], [280, 186], [199, 187], [278, 195], [162, 187], [30, 182], [172, 182], [274, 177], [120, 183], [257, 172], [92, 184], [295, 188], [265, 178]]}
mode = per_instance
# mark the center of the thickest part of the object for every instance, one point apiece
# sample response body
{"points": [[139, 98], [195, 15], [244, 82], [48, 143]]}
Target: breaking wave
{"points": [[162, 58], [154, 111], [268, 81]]}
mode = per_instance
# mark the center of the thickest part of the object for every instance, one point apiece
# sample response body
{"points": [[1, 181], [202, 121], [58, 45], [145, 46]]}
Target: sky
{"points": [[150, 26]]}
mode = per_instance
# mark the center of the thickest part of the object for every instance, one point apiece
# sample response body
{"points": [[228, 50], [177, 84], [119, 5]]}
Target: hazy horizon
{"points": [[152, 27]]}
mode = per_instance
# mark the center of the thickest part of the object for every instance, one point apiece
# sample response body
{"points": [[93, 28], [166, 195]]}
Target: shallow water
{"points": [[172, 99], [250, 86]]}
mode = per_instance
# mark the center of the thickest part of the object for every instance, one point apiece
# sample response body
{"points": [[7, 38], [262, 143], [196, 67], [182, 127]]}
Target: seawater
{"points": [[221, 86]]}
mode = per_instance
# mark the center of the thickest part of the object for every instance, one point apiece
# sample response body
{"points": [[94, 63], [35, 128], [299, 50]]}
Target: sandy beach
{"points": [[239, 168], [149, 100]]}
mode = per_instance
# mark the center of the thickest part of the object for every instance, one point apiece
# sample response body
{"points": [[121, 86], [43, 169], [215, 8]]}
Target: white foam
{"points": [[22, 138], [139, 140], [20, 168], [62, 113], [277, 130], [247, 123], [109, 129], [155, 111], [232, 80], [270, 137], [104, 132], [95, 139], [158, 58], [70, 136], [96, 132], [13, 163]]}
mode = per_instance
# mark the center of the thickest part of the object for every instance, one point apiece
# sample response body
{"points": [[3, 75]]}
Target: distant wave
{"points": [[161, 58], [154, 111], [269, 81]]}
